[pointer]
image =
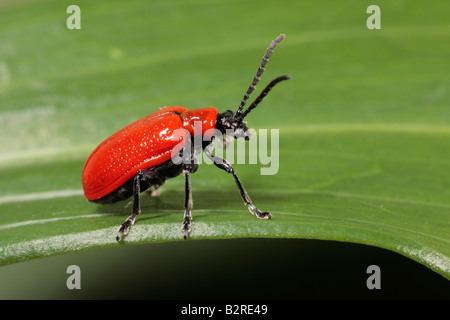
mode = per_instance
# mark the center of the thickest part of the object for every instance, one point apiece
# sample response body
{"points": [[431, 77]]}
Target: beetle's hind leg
{"points": [[125, 227], [155, 192]]}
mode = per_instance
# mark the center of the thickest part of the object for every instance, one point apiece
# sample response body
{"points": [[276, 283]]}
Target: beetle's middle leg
{"points": [[188, 203]]}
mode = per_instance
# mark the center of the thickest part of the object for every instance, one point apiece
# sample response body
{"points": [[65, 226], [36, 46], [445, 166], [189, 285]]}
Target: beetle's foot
{"points": [[186, 227], [259, 214], [125, 227]]}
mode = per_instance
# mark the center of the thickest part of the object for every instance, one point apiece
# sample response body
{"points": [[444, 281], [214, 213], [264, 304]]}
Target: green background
{"points": [[364, 130]]}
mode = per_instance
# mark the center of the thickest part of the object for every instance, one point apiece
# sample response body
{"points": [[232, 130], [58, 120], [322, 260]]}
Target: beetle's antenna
{"points": [[259, 73], [263, 94]]}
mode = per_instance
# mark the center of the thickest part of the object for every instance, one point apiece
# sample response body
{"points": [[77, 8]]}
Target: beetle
{"points": [[140, 155]]}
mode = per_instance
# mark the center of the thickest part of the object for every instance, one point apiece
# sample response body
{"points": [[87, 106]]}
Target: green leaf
{"points": [[364, 123]]}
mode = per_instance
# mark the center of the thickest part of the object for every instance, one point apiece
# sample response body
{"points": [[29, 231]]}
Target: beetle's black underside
{"points": [[155, 176]]}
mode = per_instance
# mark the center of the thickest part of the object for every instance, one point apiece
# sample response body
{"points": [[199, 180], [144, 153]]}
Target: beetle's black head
{"points": [[228, 124], [233, 124]]}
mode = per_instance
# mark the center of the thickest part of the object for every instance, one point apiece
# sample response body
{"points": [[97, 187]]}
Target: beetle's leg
{"points": [[188, 203], [125, 227], [155, 192], [225, 165]]}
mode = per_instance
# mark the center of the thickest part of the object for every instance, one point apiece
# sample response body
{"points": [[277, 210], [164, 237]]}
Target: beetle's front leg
{"points": [[225, 165], [125, 227], [188, 203]]}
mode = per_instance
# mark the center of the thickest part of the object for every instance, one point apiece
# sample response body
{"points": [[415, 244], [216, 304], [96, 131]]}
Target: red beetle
{"points": [[141, 155]]}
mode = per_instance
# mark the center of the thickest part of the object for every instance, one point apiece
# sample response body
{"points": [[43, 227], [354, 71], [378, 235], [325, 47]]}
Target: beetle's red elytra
{"points": [[139, 156], [143, 144]]}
